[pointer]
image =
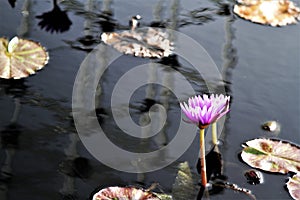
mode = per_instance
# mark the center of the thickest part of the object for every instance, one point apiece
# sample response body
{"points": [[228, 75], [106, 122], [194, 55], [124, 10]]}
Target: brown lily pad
{"points": [[268, 12], [124, 193], [142, 42], [20, 58], [293, 186], [272, 155]]}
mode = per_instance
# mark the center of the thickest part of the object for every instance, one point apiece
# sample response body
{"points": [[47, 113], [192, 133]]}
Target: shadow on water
{"points": [[12, 3], [214, 172], [55, 20]]}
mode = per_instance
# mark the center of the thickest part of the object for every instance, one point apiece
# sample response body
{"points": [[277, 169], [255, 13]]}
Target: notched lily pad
{"points": [[20, 58], [268, 12], [272, 155], [142, 42], [293, 186], [115, 193]]}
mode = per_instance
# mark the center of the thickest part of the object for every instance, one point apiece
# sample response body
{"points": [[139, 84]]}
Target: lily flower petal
{"points": [[204, 110]]}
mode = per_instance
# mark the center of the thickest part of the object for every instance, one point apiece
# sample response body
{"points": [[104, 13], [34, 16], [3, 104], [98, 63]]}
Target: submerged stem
{"points": [[202, 157]]}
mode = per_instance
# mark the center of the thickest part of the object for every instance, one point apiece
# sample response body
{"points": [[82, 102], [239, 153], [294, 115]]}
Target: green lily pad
{"points": [[293, 186], [20, 58], [272, 155]]}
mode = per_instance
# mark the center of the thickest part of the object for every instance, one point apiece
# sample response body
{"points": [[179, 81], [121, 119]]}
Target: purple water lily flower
{"points": [[205, 110]]}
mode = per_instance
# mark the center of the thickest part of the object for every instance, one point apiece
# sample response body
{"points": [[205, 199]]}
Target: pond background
{"points": [[42, 157]]}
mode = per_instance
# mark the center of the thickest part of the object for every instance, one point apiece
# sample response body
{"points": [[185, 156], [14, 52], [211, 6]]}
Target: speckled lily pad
{"points": [[272, 155]]}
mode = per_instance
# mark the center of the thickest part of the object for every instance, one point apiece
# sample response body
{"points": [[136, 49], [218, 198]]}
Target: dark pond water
{"points": [[41, 155]]}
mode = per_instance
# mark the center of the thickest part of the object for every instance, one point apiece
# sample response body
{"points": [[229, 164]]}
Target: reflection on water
{"points": [[14, 88], [229, 53], [10, 133], [41, 155]]}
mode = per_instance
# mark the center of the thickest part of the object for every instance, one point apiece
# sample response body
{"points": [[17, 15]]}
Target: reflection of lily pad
{"points": [[293, 186], [184, 187], [112, 193], [272, 155], [144, 42], [20, 58], [269, 12]]}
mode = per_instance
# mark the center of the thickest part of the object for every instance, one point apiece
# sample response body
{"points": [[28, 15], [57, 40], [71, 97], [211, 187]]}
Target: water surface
{"points": [[41, 156]]}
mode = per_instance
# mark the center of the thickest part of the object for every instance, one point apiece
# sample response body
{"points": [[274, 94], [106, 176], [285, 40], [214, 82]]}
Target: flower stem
{"points": [[202, 156], [214, 133]]}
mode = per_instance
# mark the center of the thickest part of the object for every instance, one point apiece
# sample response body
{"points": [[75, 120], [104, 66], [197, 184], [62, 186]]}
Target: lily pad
{"points": [[142, 42], [293, 186], [272, 155], [20, 58], [268, 12], [115, 193]]}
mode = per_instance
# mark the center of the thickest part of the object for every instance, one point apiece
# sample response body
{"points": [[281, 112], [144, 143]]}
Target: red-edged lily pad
{"points": [[124, 193], [272, 155], [20, 58], [293, 186], [268, 12]]}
